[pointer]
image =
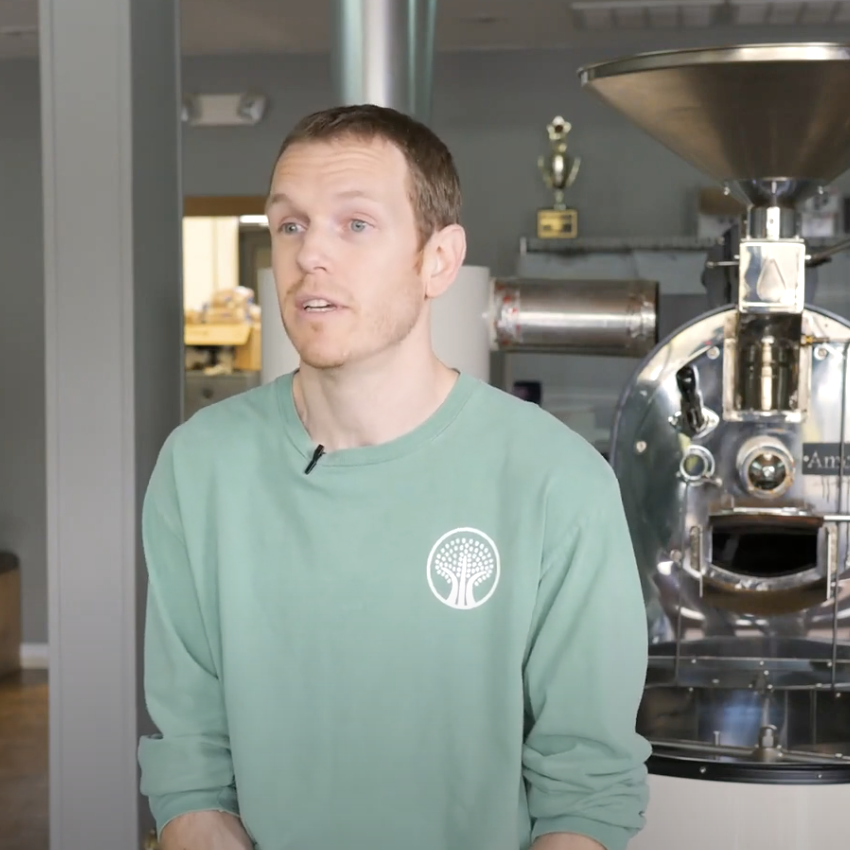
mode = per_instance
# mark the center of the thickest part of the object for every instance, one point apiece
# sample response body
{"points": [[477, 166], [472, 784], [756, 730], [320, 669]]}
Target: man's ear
{"points": [[443, 256]]}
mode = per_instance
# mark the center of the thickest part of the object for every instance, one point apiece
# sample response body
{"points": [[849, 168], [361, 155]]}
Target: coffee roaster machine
{"points": [[730, 445]]}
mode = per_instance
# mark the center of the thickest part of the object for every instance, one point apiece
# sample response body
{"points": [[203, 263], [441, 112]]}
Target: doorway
{"points": [[226, 246]]}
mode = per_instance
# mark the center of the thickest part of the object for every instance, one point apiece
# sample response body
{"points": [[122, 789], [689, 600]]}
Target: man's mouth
{"points": [[318, 305]]}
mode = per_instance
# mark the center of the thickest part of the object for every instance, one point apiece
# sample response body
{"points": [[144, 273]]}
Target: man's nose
{"points": [[314, 251]]}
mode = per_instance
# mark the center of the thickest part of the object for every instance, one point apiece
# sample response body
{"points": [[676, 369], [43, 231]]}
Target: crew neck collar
{"points": [[424, 433]]}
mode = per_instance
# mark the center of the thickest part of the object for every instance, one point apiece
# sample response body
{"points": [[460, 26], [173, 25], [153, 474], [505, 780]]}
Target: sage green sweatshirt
{"points": [[437, 643]]}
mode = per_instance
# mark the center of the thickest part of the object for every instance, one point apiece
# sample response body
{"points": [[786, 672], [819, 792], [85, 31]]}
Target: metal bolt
{"points": [[767, 737], [713, 353], [821, 352]]}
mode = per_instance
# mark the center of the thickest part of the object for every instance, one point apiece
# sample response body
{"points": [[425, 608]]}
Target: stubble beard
{"points": [[364, 337]]}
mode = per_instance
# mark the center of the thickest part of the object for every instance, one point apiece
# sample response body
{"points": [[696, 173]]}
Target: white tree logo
{"points": [[463, 568]]}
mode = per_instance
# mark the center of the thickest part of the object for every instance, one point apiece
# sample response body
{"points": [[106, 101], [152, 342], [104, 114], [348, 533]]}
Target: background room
{"points": [[118, 321]]}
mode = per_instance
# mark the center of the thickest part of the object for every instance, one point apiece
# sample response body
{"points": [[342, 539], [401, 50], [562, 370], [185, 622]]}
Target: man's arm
{"points": [[186, 767], [584, 675], [206, 831], [565, 841]]}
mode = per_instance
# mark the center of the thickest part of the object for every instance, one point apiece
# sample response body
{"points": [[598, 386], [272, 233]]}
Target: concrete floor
{"points": [[24, 800]]}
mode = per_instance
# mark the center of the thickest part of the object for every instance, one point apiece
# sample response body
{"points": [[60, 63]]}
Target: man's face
{"points": [[345, 250]]}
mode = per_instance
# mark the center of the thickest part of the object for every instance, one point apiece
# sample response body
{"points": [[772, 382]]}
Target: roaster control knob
{"points": [[767, 471]]}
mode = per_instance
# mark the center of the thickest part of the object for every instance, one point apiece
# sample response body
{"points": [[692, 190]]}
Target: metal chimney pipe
{"points": [[384, 53]]}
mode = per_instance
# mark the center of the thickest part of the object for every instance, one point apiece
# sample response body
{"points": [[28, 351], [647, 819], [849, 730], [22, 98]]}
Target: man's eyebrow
{"points": [[356, 193], [276, 199], [279, 198]]}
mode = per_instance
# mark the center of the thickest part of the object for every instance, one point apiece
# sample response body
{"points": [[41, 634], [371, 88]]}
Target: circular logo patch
{"points": [[463, 568]]}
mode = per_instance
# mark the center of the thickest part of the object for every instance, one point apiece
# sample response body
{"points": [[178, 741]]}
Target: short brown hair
{"points": [[434, 182]]}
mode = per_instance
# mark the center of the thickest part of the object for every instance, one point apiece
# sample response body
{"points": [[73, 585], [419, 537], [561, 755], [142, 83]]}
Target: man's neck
{"points": [[366, 405]]}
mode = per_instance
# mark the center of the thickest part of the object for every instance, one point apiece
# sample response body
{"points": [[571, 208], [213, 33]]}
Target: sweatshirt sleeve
{"points": [[585, 670], [186, 766]]}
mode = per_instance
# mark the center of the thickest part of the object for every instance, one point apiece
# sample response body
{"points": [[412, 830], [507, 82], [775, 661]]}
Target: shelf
{"points": [[203, 334]]}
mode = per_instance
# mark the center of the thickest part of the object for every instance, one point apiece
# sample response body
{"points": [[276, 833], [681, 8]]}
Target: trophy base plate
{"points": [[557, 224]]}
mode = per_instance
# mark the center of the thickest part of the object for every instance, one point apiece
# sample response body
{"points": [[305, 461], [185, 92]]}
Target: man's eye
{"points": [[289, 227], [358, 225]]}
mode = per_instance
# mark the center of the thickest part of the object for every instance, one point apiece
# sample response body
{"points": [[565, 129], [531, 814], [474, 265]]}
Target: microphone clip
{"points": [[320, 450]]}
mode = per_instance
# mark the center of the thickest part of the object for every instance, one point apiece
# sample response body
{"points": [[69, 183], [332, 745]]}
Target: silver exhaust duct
{"points": [[384, 52]]}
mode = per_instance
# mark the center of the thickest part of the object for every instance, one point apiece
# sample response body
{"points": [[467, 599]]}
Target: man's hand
{"points": [[207, 831], [566, 841]]}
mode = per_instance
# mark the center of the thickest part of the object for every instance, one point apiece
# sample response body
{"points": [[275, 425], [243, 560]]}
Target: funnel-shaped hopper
{"points": [[770, 120]]}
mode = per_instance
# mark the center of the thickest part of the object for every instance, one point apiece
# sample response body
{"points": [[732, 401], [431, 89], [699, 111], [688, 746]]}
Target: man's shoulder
{"points": [[208, 447], [532, 426], [545, 449], [226, 425]]}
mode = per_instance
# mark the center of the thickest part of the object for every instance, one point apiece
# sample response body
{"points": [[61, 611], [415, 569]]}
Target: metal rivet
{"points": [[640, 447], [713, 353]]}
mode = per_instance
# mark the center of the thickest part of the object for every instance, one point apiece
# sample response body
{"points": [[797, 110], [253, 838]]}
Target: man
{"points": [[390, 606]]}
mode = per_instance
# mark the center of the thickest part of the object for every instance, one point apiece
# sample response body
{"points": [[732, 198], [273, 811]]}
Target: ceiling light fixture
{"points": [[224, 110]]}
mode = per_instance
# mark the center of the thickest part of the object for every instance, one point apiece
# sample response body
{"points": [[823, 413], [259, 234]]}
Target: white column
{"points": [[461, 323], [279, 356], [113, 327]]}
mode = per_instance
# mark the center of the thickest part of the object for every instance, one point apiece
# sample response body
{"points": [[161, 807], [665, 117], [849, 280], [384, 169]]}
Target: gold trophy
{"points": [[559, 172]]}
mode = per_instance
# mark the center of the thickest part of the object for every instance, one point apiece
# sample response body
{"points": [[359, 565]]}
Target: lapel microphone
{"points": [[320, 450]]}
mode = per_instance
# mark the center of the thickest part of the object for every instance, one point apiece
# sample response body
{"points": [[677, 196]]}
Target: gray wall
{"points": [[491, 108], [22, 425]]}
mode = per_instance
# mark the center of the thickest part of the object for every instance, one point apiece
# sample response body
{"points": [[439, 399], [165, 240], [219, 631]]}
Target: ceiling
{"points": [[214, 27]]}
